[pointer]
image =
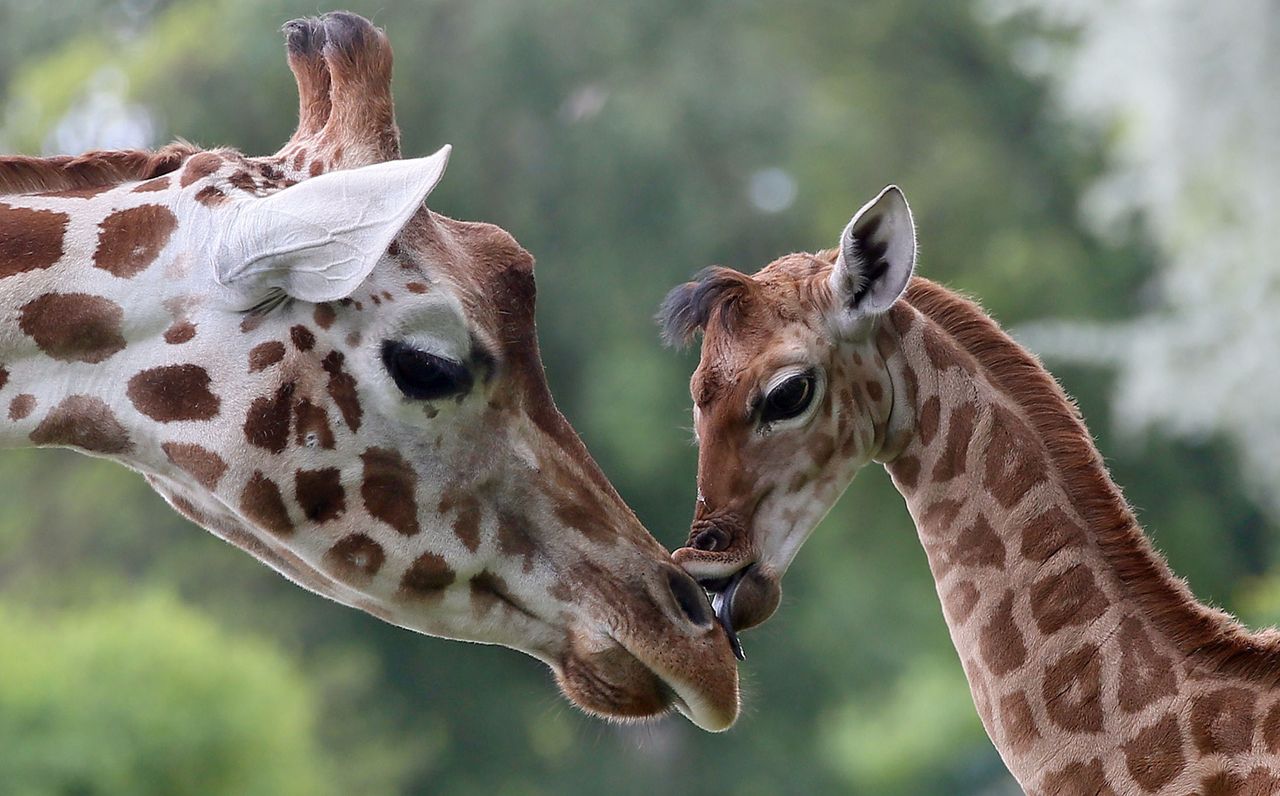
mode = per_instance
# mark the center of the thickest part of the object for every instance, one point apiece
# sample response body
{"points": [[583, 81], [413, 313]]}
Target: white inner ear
{"points": [[877, 256], [318, 240]]}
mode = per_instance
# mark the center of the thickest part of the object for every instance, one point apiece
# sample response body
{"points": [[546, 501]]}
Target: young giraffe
{"points": [[1093, 668], [305, 361]]}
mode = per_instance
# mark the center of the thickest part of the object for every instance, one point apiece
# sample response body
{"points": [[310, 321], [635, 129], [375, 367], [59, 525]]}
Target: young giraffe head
{"points": [[304, 360], [791, 398]]}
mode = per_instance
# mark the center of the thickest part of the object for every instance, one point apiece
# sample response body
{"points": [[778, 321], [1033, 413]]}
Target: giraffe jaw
{"points": [[619, 683]]}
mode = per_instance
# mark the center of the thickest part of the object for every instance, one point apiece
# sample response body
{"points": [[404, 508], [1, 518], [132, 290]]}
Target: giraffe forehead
{"points": [[736, 363]]}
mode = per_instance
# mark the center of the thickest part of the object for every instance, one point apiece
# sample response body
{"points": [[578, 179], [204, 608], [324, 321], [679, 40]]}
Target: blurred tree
{"points": [[143, 696]]}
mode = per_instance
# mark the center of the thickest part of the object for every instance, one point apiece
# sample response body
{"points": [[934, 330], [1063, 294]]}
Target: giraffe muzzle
{"points": [[743, 600]]}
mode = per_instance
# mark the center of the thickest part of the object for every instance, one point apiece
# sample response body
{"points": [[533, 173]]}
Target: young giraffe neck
{"points": [[1092, 668]]}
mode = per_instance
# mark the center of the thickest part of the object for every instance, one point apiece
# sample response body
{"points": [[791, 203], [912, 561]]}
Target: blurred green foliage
{"points": [[620, 144], [143, 696]]}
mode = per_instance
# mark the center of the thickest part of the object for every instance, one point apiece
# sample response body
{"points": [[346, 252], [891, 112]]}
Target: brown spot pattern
{"points": [[1072, 690], [1067, 599], [264, 355], [1049, 533], [515, 538], [1086, 778], [959, 433], [937, 519], [416, 287], [1259, 782], [978, 546], [303, 338], [582, 509], [30, 240], [180, 332], [324, 315], [906, 471], [320, 494], [312, 424], [961, 601], [263, 504], [942, 354], [174, 392], [129, 240], [209, 196], [74, 327], [466, 523], [428, 576], [1019, 722], [267, 422], [1223, 721], [154, 184], [198, 167], [1000, 641], [1154, 756], [1148, 675], [85, 422], [21, 406], [1014, 461], [355, 558], [342, 388], [927, 424], [205, 466], [388, 489]]}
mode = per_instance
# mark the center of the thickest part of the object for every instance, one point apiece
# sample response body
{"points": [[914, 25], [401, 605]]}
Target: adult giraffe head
{"points": [[303, 359], [791, 398]]}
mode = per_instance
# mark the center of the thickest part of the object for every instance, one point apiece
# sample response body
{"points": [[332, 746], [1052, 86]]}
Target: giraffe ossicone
{"points": [[1092, 667], [302, 358]]}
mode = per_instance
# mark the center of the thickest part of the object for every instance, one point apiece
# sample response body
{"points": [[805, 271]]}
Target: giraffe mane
{"points": [[95, 169], [1206, 636], [714, 292]]}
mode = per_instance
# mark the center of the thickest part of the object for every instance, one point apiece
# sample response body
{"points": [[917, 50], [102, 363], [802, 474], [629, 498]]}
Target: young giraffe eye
{"points": [[422, 376], [789, 399]]}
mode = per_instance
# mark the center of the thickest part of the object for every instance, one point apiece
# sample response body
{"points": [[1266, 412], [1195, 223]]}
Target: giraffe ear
{"points": [[876, 259], [318, 240]]}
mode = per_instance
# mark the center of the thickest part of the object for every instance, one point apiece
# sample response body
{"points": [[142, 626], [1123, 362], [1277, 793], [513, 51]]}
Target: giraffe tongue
{"points": [[722, 604]]}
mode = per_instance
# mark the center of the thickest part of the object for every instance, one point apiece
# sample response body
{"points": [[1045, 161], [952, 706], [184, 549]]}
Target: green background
{"points": [[619, 144]]}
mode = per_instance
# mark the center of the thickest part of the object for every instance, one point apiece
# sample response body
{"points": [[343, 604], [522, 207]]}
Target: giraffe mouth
{"points": [[743, 600]]}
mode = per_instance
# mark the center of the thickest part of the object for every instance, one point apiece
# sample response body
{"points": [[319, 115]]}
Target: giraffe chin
{"points": [[615, 684]]}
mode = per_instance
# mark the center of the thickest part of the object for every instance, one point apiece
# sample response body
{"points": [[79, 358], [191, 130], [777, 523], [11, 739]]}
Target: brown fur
{"points": [[1208, 638], [91, 170]]}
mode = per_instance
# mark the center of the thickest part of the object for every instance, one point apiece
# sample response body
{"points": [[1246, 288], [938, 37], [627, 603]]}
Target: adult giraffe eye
{"points": [[789, 399], [422, 376]]}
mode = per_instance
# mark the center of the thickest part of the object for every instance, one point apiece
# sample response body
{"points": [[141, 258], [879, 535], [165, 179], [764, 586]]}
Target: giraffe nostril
{"points": [[690, 597], [710, 540]]}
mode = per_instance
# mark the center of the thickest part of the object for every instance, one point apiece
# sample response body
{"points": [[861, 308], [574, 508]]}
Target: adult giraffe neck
{"points": [[95, 289], [1089, 663]]}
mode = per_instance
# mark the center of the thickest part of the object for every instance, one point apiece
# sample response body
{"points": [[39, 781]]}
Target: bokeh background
{"points": [[1103, 174]]}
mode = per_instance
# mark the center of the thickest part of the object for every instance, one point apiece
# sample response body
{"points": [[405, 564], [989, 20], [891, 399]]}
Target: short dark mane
{"points": [[688, 307], [91, 170], [1207, 637]]}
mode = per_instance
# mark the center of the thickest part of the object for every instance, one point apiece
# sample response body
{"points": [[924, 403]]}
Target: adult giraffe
{"points": [[305, 361], [1093, 668]]}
